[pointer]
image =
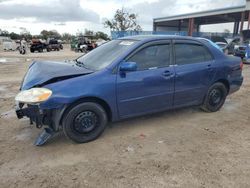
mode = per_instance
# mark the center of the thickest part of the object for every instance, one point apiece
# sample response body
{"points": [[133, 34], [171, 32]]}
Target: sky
{"points": [[75, 16]]}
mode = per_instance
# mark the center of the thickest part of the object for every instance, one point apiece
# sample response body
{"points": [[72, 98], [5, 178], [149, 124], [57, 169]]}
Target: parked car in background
{"points": [[222, 45], [220, 41], [99, 42], [83, 44], [38, 45], [216, 39], [53, 44], [61, 44], [240, 46], [231, 46], [9, 44], [125, 78], [240, 50]]}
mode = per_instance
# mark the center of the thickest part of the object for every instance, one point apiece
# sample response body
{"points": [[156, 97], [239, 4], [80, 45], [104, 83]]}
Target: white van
{"points": [[9, 44]]}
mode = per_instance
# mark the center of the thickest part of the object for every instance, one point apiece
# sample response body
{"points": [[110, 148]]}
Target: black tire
{"points": [[215, 97], [31, 50], [84, 122]]}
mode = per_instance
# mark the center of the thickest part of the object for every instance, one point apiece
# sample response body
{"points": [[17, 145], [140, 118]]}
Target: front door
{"points": [[151, 87]]}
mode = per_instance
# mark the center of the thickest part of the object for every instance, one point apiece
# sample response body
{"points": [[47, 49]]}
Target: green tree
{"points": [[123, 21], [88, 32], [50, 34], [14, 36], [66, 36], [101, 35], [4, 33]]}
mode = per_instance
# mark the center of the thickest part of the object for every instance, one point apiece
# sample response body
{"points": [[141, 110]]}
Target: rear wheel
{"points": [[215, 97], [84, 122]]}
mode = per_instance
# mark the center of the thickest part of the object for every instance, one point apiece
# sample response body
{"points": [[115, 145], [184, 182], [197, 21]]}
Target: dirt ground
{"points": [[181, 148]]}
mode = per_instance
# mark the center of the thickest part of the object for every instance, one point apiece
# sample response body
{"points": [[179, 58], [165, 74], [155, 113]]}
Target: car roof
{"points": [[157, 37], [148, 38]]}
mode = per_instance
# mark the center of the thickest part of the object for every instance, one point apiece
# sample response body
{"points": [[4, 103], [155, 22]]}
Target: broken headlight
{"points": [[34, 95]]}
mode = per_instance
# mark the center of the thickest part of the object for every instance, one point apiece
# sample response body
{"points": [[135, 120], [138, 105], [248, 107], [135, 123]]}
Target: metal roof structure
{"points": [[191, 22]]}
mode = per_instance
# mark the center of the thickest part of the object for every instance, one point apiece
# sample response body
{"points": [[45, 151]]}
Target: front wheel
{"points": [[84, 122], [215, 97]]}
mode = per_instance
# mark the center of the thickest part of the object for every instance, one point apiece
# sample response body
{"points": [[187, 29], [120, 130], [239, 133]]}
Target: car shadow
{"points": [[127, 124]]}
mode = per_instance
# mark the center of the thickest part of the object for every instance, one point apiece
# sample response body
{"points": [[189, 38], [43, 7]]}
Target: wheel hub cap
{"points": [[215, 97], [85, 122]]}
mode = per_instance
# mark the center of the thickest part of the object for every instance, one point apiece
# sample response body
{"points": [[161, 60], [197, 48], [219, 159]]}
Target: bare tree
{"points": [[123, 21]]}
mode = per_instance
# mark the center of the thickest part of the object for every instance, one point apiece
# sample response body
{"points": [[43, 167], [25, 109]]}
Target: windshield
{"points": [[104, 55]]}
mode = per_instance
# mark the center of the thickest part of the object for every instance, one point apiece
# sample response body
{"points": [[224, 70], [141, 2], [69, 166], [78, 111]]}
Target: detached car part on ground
{"points": [[125, 78]]}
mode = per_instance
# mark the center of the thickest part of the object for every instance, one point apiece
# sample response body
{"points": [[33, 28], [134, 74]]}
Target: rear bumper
{"points": [[235, 84]]}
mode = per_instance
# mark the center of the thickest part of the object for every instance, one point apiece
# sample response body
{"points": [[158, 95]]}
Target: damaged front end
{"points": [[49, 119], [34, 93]]}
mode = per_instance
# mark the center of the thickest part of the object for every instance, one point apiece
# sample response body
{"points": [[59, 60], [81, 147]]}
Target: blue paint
{"points": [[135, 92]]}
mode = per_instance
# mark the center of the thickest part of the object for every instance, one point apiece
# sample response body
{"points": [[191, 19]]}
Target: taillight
{"points": [[241, 65]]}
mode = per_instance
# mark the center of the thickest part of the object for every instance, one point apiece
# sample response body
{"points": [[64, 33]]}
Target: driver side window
{"points": [[150, 57]]}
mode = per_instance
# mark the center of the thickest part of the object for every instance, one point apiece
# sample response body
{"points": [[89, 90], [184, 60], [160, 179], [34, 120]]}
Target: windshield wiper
{"points": [[81, 64]]}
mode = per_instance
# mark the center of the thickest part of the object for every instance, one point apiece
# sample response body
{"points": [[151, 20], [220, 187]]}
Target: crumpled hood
{"points": [[42, 72]]}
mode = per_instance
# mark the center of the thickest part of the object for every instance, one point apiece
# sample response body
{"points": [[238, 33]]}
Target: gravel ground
{"points": [[181, 148]]}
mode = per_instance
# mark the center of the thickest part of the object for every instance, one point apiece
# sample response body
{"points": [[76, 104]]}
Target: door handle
{"points": [[209, 67], [166, 73]]}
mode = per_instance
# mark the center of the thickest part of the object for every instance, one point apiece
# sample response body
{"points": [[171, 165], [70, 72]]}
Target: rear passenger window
{"points": [[191, 53], [154, 56]]}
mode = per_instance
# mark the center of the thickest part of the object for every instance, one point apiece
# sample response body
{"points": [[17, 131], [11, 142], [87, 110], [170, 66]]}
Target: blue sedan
{"points": [[124, 78]]}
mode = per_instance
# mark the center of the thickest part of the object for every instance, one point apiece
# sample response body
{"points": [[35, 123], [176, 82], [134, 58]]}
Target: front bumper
{"points": [[40, 117], [37, 116]]}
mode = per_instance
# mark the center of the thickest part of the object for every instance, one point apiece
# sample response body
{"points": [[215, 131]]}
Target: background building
{"points": [[190, 23]]}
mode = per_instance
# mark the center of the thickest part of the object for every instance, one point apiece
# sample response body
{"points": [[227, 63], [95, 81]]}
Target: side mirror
{"points": [[128, 66]]}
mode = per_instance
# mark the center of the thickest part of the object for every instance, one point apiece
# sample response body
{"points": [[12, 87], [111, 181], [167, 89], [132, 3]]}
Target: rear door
{"points": [[194, 67]]}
